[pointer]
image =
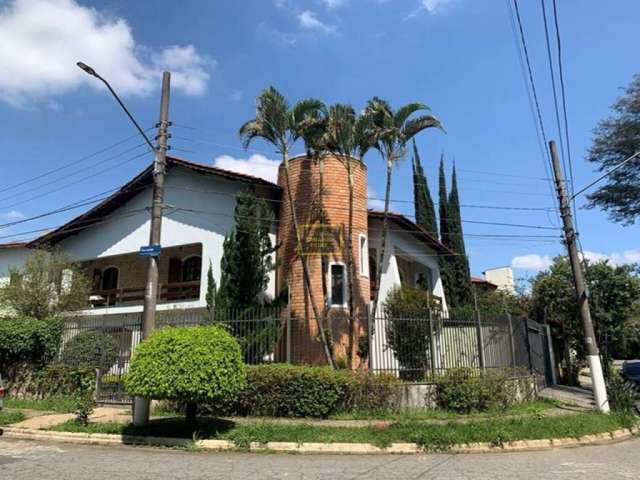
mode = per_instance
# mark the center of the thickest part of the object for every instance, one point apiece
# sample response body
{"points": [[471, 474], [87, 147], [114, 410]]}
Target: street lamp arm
{"points": [[93, 73]]}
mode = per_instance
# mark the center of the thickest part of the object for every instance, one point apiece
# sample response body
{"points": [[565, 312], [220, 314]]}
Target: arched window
{"points": [[110, 277], [192, 269]]}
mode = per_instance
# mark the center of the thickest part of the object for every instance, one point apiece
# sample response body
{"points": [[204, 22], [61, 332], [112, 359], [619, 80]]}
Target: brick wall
{"points": [[314, 210]]}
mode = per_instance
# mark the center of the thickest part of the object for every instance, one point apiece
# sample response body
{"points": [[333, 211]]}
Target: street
{"points": [[22, 460]]}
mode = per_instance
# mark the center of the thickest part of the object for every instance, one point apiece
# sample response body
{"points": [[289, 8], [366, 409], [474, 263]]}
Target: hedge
{"points": [[28, 341], [52, 381], [282, 390], [91, 349]]}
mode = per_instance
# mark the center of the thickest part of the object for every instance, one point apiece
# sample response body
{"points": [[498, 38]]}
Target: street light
{"points": [[86, 68], [141, 405]]}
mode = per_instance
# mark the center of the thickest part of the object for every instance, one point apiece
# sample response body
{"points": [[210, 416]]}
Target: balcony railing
{"points": [[170, 292]]}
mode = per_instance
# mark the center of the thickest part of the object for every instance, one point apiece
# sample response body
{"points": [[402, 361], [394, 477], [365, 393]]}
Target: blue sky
{"points": [[457, 56]]}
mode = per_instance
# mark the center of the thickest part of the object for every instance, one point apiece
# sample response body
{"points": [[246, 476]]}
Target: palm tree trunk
{"points": [[350, 267], [383, 244], [305, 266]]}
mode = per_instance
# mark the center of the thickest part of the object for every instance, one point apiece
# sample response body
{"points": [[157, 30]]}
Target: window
{"points": [[191, 269], [364, 256], [110, 278], [338, 285]]}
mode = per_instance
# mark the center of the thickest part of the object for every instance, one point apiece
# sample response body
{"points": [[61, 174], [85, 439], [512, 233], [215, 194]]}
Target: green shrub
{"points": [[281, 390], [83, 396], [407, 329], [91, 349], [622, 395], [191, 365], [466, 390], [53, 381], [28, 341]]}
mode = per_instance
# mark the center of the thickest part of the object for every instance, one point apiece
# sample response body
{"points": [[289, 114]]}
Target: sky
{"points": [[460, 57]]}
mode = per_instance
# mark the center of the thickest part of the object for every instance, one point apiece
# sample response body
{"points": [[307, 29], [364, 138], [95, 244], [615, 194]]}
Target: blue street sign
{"points": [[150, 251]]}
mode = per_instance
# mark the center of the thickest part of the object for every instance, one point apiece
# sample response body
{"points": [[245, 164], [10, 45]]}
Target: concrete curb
{"points": [[335, 448]]}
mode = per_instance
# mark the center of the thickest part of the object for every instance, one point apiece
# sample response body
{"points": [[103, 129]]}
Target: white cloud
{"points": [[615, 258], [437, 6], [333, 3], [256, 165], [532, 261], [41, 41], [308, 20], [374, 201], [13, 215]]}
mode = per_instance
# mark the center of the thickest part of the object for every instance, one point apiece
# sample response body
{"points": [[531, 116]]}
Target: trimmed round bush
{"points": [[190, 365], [91, 349], [27, 341]]}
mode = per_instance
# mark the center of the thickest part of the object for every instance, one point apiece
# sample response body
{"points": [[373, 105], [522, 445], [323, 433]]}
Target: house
{"points": [[199, 213], [482, 285], [502, 277]]}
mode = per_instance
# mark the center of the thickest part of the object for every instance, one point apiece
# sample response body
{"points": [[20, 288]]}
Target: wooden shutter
{"points": [[175, 270], [97, 279]]}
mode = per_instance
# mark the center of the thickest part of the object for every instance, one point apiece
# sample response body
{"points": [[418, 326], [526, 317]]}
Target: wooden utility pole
{"points": [[141, 405], [593, 355]]}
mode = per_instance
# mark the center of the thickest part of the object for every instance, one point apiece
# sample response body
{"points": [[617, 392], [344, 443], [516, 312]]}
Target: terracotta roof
{"points": [[414, 229], [132, 188], [483, 281]]}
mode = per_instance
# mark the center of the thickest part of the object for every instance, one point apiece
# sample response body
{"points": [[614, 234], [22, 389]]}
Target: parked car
{"points": [[631, 371]]}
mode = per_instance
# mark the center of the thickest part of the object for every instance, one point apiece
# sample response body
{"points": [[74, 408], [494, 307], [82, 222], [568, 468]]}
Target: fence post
{"points": [[288, 337], [552, 358], [370, 329], [528, 343], [480, 339], [512, 345], [432, 344]]}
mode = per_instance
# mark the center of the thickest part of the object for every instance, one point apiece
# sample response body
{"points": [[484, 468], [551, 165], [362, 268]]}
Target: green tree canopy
{"points": [[616, 138], [614, 293], [48, 284]]}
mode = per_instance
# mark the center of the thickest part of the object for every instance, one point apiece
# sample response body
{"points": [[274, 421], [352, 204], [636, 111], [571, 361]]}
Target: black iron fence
{"points": [[411, 348]]}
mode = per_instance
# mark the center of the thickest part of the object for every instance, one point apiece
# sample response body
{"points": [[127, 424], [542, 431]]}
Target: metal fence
{"points": [[419, 348], [411, 348]]}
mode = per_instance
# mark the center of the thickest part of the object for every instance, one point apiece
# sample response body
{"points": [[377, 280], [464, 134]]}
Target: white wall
{"points": [[13, 257], [127, 229]]}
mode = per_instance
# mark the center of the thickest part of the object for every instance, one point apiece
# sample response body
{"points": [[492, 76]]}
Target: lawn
{"points": [[431, 437], [7, 418], [53, 404]]}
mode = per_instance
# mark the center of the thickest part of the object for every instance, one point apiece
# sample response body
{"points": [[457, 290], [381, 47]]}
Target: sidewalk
{"points": [[101, 414], [577, 396]]}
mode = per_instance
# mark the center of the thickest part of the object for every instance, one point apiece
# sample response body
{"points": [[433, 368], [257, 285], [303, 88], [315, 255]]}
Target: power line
{"points": [[606, 174], [72, 163]]}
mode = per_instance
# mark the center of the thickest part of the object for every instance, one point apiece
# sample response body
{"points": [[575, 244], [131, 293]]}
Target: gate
{"points": [[540, 352]]}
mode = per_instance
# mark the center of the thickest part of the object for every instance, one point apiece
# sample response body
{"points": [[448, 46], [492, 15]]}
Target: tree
{"points": [[246, 259], [212, 292], [47, 285], [424, 208], [390, 130], [461, 289], [445, 260], [190, 365], [616, 139], [614, 291], [279, 125]]}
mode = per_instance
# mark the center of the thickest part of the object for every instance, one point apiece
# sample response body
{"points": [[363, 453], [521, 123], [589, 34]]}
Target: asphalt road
{"points": [[35, 460]]}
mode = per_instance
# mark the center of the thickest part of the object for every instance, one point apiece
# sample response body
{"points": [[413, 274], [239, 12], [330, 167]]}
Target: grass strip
{"points": [[431, 437], [7, 418], [53, 404]]}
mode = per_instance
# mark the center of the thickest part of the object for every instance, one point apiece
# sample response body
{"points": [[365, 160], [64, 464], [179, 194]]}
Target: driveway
{"points": [[29, 460]]}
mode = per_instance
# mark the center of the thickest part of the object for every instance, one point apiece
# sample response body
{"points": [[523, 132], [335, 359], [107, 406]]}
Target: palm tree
{"points": [[347, 136], [390, 131], [280, 125]]}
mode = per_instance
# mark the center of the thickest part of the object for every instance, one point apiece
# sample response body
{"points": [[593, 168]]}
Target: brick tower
{"points": [[323, 218]]}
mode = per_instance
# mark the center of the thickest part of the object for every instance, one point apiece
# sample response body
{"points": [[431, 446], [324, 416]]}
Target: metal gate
{"points": [[540, 351]]}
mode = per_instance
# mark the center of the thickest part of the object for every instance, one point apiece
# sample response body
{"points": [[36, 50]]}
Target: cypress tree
{"points": [[246, 260], [462, 289], [445, 261], [424, 209]]}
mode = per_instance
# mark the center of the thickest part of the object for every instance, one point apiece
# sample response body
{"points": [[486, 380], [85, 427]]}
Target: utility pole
{"points": [[593, 355], [141, 405]]}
